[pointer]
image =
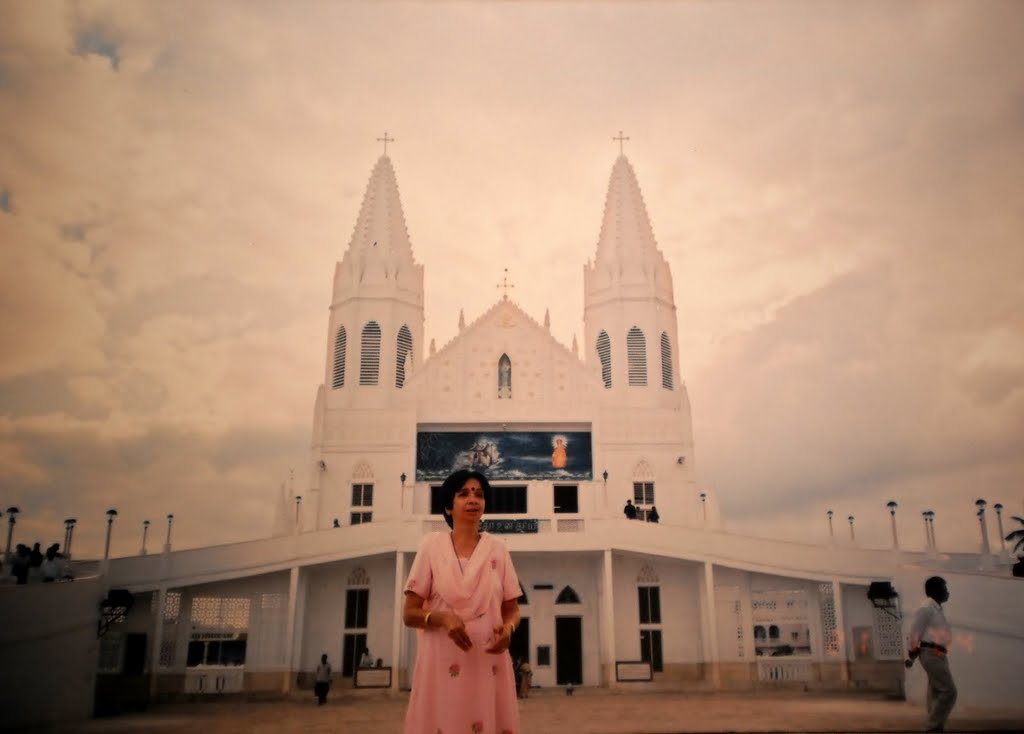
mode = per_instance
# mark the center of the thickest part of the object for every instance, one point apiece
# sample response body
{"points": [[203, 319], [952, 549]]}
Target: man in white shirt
{"points": [[930, 639]]}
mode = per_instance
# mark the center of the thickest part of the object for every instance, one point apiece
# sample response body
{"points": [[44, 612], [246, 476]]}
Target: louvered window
{"points": [[636, 353], [340, 345], [604, 353], [369, 368], [666, 362], [404, 354]]}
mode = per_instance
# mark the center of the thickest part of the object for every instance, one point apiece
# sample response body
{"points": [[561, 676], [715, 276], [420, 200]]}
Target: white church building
{"points": [[566, 435]]}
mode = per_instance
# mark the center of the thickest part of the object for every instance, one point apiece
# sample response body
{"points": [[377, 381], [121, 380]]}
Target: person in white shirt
{"points": [[323, 680], [930, 639]]}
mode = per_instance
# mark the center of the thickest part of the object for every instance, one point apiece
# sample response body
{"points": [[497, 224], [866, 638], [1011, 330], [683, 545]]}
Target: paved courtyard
{"points": [[590, 711]]}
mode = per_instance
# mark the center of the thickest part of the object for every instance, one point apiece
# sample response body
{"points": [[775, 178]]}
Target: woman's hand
{"points": [[456, 630], [502, 638]]}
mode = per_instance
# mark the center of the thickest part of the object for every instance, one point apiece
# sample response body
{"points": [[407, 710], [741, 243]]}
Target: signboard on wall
{"points": [[499, 455]]}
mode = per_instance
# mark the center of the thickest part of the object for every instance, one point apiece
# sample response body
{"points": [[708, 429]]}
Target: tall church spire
{"points": [[380, 247], [626, 242]]}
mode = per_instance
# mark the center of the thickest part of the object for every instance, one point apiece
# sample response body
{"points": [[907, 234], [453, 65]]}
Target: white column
{"points": [[709, 624], [398, 627], [607, 630], [158, 638], [837, 600], [289, 633]]}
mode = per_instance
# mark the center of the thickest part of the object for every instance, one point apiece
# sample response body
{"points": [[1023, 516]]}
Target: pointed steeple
{"points": [[627, 238], [380, 247]]}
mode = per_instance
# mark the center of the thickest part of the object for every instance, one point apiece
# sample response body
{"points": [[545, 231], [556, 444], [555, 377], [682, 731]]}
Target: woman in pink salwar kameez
{"points": [[462, 593]]}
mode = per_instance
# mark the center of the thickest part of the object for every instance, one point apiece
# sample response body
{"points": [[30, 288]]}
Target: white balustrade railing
{"points": [[782, 670]]}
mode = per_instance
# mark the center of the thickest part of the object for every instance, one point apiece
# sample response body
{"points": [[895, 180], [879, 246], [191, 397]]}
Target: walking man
{"points": [[930, 638], [323, 680]]}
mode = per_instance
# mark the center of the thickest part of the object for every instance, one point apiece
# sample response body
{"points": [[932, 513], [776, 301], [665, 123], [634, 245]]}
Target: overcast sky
{"points": [[838, 187]]}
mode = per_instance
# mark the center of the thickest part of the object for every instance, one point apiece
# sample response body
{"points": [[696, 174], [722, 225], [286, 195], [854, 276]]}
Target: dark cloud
{"points": [[96, 38], [223, 485], [5, 201], [42, 393]]}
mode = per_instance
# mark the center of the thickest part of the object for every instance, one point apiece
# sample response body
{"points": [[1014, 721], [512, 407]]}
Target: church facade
{"points": [[567, 435]]}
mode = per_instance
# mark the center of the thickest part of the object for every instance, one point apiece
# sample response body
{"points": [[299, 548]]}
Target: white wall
{"points": [[988, 645], [48, 639]]}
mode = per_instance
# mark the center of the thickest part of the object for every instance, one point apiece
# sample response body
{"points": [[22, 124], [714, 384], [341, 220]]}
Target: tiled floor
{"points": [[589, 711]]}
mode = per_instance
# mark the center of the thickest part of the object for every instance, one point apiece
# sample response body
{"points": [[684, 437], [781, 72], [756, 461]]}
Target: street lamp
{"points": [[69, 530], [891, 504], [998, 507], [111, 514], [11, 512], [852, 538], [831, 534], [298, 503], [986, 549], [145, 532], [403, 480], [931, 528], [704, 506], [167, 544]]}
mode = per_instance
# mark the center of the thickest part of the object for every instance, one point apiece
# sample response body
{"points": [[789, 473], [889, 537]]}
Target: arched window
{"points": [[504, 378], [666, 362], [647, 575], [369, 367], [567, 596], [759, 632], [636, 355], [604, 353], [773, 632], [340, 345], [403, 353]]}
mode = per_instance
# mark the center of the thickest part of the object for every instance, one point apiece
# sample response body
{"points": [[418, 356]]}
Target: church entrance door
{"points": [[569, 650]]}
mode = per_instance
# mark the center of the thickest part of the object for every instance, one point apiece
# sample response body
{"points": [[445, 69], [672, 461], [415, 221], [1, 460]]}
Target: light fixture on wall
{"points": [[681, 460], [605, 475], [322, 465], [403, 478]]}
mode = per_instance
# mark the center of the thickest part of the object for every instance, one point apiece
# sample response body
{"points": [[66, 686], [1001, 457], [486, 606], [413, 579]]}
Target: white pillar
{"points": [[837, 600], [709, 624], [289, 632], [607, 630], [158, 638], [398, 626]]}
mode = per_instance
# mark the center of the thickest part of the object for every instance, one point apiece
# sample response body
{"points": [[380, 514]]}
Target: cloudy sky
{"points": [[838, 187]]}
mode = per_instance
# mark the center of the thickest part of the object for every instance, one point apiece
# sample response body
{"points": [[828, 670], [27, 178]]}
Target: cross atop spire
{"points": [[505, 285], [619, 137], [387, 140]]}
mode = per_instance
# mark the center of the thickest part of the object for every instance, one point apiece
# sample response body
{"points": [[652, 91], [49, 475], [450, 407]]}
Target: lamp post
{"points": [[11, 512], [891, 504], [111, 514], [931, 529], [986, 549], [831, 533], [403, 478], [70, 534], [927, 535], [167, 543], [998, 507], [145, 532], [704, 507], [298, 504], [69, 530], [853, 538]]}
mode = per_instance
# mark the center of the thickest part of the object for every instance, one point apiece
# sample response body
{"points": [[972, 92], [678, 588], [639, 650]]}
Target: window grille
{"points": [[369, 367], [360, 518], [403, 354], [604, 353], [636, 352], [359, 577], [666, 362], [362, 495], [829, 623], [643, 493], [650, 604], [340, 345]]}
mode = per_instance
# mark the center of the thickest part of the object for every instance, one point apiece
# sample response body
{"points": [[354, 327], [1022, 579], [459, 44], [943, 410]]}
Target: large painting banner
{"points": [[505, 454]]}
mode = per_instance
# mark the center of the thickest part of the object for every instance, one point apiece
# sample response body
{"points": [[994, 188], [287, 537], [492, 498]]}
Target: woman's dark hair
{"points": [[455, 482]]}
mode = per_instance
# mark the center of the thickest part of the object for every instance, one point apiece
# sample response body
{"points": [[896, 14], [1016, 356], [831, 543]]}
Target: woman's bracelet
{"points": [[426, 621]]}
